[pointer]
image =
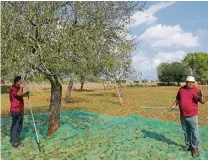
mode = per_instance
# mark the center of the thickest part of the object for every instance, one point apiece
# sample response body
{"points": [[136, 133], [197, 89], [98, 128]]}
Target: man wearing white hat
{"points": [[188, 97]]}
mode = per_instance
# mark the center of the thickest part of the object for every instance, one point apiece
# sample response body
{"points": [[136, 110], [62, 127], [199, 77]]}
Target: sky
{"points": [[167, 32]]}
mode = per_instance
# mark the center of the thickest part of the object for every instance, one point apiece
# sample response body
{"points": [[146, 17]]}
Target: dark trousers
{"points": [[16, 127]]}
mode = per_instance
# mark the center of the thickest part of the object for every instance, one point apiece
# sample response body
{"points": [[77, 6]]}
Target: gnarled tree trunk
{"points": [[82, 83], [55, 104]]}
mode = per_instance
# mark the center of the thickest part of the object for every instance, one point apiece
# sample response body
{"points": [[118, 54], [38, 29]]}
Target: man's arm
{"points": [[201, 98], [176, 101], [175, 104], [19, 93]]}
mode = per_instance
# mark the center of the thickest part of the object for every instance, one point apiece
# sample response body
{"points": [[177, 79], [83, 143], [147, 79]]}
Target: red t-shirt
{"points": [[17, 102], [188, 100]]}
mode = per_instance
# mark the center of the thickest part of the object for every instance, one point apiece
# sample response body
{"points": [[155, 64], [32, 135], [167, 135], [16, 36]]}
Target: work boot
{"points": [[20, 145], [17, 145], [186, 149], [195, 153]]}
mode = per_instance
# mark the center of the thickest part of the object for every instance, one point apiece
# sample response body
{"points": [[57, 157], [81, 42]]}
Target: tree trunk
{"points": [[118, 87], [104, 86], [82, 85], [55, 104], [68, 93], [178, 83]]}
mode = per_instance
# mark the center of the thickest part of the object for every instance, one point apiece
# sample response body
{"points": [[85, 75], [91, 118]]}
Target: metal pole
{"points": [[146, 107], [36, 133]]}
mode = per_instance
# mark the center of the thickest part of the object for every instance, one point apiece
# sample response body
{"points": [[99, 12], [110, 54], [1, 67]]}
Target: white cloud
{"points": [[147, 16], [168, 57], [167, 36], [148, 65], [140, 57]]}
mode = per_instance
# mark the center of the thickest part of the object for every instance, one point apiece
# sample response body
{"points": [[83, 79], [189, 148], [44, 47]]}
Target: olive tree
{"points": [[49, 36]]}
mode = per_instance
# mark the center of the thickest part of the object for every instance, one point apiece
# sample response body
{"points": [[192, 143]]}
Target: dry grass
{"points": [[105, 102]]}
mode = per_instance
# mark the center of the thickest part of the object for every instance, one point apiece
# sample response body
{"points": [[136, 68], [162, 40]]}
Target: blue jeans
{"points": [[190, 128], [16, 127]]}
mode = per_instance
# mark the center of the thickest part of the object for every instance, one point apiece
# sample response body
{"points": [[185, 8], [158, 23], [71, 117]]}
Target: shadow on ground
{"points": [[158, 137], [102, 94], [75, 100]]}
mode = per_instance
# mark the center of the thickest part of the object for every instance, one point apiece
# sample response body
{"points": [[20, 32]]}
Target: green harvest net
{"points": [[85, 135]]}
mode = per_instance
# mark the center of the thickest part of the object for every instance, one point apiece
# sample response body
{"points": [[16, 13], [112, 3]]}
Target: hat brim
{"points": [[191, 81]]}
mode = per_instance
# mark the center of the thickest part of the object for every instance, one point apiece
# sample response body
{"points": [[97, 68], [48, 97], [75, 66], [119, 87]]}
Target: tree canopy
{"points": [[197, 63], [194, 64], [172, 72], [57, 38]]}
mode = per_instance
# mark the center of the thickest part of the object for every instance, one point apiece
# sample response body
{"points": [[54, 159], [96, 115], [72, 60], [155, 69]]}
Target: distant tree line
{"points": [[195, 64]]}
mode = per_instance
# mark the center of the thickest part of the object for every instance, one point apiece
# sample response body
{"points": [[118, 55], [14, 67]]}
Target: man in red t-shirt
{"points": [[188, 97], [17, 110]]}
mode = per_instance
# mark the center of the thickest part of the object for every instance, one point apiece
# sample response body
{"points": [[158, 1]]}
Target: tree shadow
{"points": [[84, 90], [28, 126], [75, 100], [114, 102], [103, 94], [158, 137], [41, 122], [96, 95], [78, 119]]}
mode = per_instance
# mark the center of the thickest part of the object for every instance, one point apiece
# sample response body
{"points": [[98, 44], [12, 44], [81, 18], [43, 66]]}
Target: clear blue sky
{"points": [[167, 31]]}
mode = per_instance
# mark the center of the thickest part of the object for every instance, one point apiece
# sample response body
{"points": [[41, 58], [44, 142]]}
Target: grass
{"points": [[106, 102]]}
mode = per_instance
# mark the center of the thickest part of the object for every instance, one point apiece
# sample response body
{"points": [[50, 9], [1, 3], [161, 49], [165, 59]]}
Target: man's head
{"points": [[190, 81], [17, 79]]}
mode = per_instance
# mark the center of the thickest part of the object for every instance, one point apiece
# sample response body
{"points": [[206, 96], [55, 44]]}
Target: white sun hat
{"points": [[190, 79]]}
